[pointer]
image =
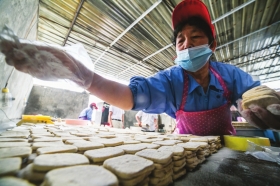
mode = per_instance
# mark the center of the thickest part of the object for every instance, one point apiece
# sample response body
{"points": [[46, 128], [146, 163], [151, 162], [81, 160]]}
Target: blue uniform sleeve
{"points": [[83, 113], [154, 94], [237, 80], [89, 113], [242, 83]]}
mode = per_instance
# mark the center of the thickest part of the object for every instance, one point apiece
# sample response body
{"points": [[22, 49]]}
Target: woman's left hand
{"points": [[263, 118]]}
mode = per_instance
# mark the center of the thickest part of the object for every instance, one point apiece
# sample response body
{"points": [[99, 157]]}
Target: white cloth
{"points": [[116, 112], [148, 119], [93, 116], [117, 124]]}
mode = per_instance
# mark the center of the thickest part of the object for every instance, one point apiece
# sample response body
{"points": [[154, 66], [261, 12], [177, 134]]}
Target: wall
{"points": [[56, 102], [129, 118], [21, 17], [97, 114]]}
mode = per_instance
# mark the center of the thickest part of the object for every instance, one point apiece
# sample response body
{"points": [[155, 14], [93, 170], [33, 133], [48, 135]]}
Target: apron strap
{"points": [[185, 90], [226, 94]]}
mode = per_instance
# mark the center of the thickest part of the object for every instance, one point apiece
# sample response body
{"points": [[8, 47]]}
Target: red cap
{"points": [[189, 8], [93, 105]]}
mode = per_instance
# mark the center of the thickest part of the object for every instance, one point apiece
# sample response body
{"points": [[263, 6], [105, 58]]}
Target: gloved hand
{"points": [[260, 117], [47, 62]]}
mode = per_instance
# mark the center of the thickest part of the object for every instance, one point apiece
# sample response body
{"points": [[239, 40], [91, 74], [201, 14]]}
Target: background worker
{"points": [[149, 122], [105, 114], [86, 114], [116, 117]]}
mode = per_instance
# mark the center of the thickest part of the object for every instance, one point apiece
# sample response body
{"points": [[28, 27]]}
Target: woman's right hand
{"points": [[45, 62]]}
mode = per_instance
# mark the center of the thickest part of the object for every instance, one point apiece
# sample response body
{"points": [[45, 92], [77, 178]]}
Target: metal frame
{"points": [[73, 21], [247, 35], [127, 29]]}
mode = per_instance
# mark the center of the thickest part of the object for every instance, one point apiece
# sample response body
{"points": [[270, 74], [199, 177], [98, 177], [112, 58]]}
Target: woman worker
{"points": [[197, 92]]}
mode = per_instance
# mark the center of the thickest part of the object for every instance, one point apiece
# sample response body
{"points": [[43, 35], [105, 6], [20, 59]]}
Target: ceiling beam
{"points": [[260, 60], [149, 66], [256, 60], [141, 61], [252, 53], [275, 72], [247, 35], [127, 29], [166, 47], [232, 11], [73, 21], [270, 79], [264, 68]]}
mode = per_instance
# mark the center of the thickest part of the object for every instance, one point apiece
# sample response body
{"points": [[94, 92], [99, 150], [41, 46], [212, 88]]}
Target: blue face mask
{"points": [[193, 59]]}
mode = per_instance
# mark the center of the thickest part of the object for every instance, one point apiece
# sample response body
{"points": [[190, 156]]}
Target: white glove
{"points": [[47, 62]]}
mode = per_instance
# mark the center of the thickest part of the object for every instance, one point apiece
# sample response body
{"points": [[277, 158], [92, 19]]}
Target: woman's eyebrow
{"points": [[195, 30], [179, 34]]}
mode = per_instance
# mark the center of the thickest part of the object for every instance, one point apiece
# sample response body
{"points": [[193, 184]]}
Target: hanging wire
{"points": [[7, 116]]}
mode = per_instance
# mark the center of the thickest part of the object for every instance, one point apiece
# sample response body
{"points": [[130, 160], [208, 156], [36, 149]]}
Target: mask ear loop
{"points": [[210, 44], [213, 52]]}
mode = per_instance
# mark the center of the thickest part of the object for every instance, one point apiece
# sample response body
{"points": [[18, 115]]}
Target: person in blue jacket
{"points": [[197, 91], [86, 114]]}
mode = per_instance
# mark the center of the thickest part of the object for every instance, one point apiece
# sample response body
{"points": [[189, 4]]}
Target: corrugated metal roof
{"points": [[248, 36]]}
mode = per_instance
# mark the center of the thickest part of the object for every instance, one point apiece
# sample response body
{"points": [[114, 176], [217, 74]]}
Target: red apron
{"points": [[210, 122]]}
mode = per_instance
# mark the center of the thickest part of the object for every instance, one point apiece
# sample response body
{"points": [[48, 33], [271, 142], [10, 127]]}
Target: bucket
{"points": [[76, 122]]}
